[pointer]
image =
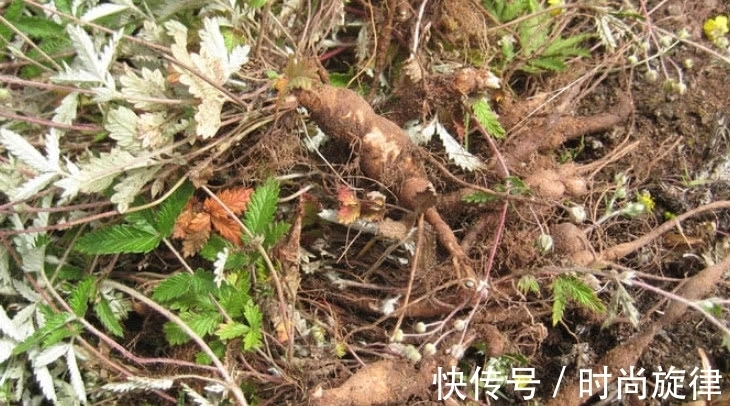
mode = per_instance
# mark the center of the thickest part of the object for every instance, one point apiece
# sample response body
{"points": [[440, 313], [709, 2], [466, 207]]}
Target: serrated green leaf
{"points": [[11, 13], [219, 349], [80, 296], [173, 287], [56, 336], [215, 244], [560, 302], [275, 233], [567, 288], [479, 197], [262, 207], [202, 323], [174, 334], [488, 118], [53, 323], [253, 339], [231, 330], [527, 284], [235, 299], [63, 6], [107, 317], [39, 28], [171, 208], [567, 46], [253, 315], [117, 239]]}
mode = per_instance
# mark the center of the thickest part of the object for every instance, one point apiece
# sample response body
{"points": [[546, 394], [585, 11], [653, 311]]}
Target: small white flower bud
{"points": [[429, 349], [651, 75], [397, 336], [577, 214], [459, 324]]}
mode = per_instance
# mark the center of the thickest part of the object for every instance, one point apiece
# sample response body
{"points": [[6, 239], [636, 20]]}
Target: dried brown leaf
{"points": [[235, 199], [349, 210], [228, 228], [197, 234]]}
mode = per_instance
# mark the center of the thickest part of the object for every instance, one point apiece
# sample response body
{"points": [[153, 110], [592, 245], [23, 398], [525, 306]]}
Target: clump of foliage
{"points": [[536, 44]]}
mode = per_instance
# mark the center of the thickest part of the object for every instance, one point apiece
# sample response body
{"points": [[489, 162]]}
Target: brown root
{"points": [[386, 154], [381, 382]]}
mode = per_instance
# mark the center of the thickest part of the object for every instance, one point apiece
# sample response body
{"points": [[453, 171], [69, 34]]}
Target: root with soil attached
{"points": [[386, 154]]}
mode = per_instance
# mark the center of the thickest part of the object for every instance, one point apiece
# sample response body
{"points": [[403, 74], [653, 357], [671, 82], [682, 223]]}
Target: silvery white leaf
{"points": [[23, 150]]}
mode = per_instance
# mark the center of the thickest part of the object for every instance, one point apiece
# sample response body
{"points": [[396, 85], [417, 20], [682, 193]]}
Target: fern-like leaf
{"points": [[488, 118], [106, 316], [80, 296], [118, 239], [566, 288]]}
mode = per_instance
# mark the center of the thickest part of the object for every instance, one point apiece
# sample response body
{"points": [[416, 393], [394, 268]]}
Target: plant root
{"points": [[386, 154], [382, 382]]}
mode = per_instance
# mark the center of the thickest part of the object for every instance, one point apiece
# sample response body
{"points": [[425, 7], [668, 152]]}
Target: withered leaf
{"points": [[235, 199], [197, 233], [349, 209], [228, 228]]}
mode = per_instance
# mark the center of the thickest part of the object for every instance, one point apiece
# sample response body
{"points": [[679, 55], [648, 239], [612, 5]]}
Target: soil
{"points": [[672, 145]]}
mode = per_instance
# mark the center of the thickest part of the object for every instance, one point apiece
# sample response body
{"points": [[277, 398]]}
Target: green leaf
{"points": [[253, 315], [107, 317], [202, 323], [174, 334], [567, 288], [215, 244], [252, 340], [257, 3], [235, 299], [12, 13], [54, 322], [560, 302], [231, 330], [117, 239], [567, 46], [219, 349], [181, 284], [276, 231], [527, 284], [545, 63], [479, 197], [487, 118], [262, 207], [79, 299], [171, 208]]}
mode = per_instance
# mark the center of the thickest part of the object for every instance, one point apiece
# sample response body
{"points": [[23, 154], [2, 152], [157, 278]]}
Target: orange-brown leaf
{"points": [[346, 196], [235, 199], [349, 210], [228, 228], [184, 219], [197, 233]]}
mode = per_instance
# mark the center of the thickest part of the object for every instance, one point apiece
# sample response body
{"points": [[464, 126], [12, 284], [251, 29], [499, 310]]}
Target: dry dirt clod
{"points": [[568, 239]]}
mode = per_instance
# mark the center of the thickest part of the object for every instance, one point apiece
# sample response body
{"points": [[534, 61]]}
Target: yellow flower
{"points": [[553, 3], [716, 27], [646, 200]]}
